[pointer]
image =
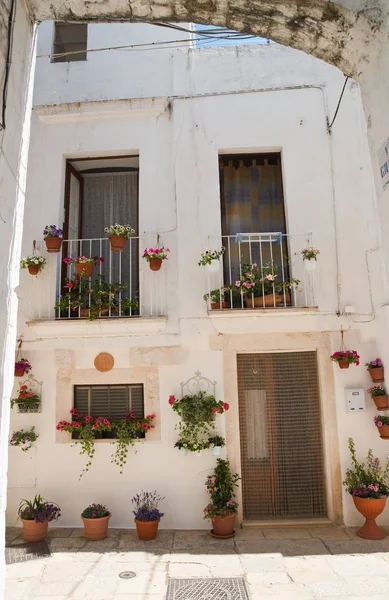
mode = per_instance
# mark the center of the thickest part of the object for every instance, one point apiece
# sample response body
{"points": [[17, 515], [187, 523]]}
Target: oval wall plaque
{"points": [[104, 362]]}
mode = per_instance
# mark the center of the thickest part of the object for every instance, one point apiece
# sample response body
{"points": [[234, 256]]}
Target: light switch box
{"points": [[355, 400]]}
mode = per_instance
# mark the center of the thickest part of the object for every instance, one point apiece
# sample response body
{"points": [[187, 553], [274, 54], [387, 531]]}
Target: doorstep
{"points": [[287, 523]]}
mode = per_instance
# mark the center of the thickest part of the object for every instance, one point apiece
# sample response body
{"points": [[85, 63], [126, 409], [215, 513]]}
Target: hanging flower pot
{"points": [[118, 236], [22, 367], [216, 442], [211, 259], [118, 243], [216, 450], [310, 258], [345, 358], [376, 370], [382, 424], [310, 265], [155, 256], [33, 269], [380, 397], [370, 508], [53, 238], [155, 264], [343, 364], [182, 451], [95, 518], [84, 269]]}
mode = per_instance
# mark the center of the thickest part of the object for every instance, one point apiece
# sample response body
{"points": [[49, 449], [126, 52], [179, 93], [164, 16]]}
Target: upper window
{"points": [[109, 401], [70, 39]]}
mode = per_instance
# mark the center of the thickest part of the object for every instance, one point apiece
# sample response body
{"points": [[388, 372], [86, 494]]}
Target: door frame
{"points": [[231, 346]]}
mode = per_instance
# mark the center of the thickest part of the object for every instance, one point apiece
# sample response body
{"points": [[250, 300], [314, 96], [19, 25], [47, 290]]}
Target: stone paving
{"points": [[323, 563]]}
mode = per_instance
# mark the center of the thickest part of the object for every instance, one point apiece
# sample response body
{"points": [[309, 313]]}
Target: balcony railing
{"points": [[122, 284], [260, 270]]}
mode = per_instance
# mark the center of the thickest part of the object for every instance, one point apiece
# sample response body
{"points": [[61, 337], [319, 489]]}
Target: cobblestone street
{"points": [[329, 563]]}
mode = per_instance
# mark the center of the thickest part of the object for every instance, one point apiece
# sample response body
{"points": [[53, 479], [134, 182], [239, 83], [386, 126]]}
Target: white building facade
{"points": [[203, 148]]}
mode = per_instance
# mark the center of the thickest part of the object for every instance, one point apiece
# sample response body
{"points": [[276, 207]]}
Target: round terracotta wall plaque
{"points": [[104, 362]]}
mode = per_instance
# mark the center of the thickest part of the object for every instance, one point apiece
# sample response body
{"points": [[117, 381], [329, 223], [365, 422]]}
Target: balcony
{"points": [[260, 271]]}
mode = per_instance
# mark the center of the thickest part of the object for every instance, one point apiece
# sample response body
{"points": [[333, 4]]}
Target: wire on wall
{"points": [[339, 103], [11, 24]]}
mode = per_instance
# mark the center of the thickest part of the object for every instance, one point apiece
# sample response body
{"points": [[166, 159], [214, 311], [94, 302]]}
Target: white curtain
{"points": [[257, 431]]}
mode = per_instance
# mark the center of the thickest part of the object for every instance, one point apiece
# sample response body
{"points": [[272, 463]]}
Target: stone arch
{"points": [[328, 30]]}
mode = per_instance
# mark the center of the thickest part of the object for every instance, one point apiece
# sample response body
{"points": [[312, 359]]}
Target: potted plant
{"points": [[155, 256], [345, 358], [22, 366], [211, 259], [216, 298], [27, 400], [147, 514], [181, 446], [368, 486], [380, 396], [34, 264], [118, 236], [53, 238], [382, 424], [130, 306], [24, 438], [216, 442], [222, 507], [95, 518], [87, 300], [197, 412], [84, 265], [263, 286], [376, 370], [35, 516], [310, 258]]}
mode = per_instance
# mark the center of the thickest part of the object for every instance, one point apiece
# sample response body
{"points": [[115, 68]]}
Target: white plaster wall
{"points": [[179, 197]]}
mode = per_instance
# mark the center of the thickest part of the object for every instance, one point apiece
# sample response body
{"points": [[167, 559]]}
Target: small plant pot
{"points": [[53, 244], [84, 269], [33, 269], [118, 243], [19, 372], [223, 527], [182, 451], [213, 266], [381, 402], [218, 305], [343, 364], [216, 450], [146, 530], [377, 375], [34, 532], [269, 300], [29, 408], [310, 265], [155, 264], [384, 432], [370, 508], [96, 529], [25, 445]]}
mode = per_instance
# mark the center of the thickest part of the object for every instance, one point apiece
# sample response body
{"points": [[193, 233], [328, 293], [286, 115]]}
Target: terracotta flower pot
{"points": [[218, 305], [34, 532], [377, 375], [118, 243], [85, 269], [384, 432], [155, 264], [96, 529], [370, 508], [33, 269], [146, 530], [343, 364], [381, 402], [223, 526], [19, 372], [269, 300], [53, 244]]}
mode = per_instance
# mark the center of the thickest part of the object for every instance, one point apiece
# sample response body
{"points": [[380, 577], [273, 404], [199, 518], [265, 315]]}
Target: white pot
{"points": [[216, 450], [310, 265], [214, 266], [182, 451], [25, 445]]}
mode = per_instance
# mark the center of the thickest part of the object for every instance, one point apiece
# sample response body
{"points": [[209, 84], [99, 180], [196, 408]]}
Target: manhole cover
{"points": [[127, 574], [27, 551], [207, 589]]}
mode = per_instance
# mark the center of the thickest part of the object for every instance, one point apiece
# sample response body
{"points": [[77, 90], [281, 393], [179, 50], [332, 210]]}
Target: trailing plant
{"points": [[52, 231], [350, 356], [262, 281], [95, 511], [221, 490], [117, 230], [145, 506], [375, 364], [126, 431], [19, 438], [377, 390], [310, 253], [22, 364], [197, 414], [97, 297], [216, 440], [33, 261], [209, 255], [39, 510], [366, 480], [161, 253], [25, 396]]}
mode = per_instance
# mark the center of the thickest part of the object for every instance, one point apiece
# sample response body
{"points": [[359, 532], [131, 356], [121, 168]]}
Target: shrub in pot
{"points": [[380, 396], [35, 516], [222, 507], [376, 370], [147, 515], [367, 482], [95, 518]]}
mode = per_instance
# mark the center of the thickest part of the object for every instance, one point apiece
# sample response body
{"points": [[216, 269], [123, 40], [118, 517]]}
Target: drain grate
{"points": [[27, 551], [127, 575], [207, 589]]}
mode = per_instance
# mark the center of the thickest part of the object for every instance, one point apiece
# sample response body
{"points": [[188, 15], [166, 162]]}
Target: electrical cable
{"points": [[11, 23], [339, 103]]}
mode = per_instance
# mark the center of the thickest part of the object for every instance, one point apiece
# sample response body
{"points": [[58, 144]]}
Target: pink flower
{"points": [[172, 399], [212, 480], [237, 283], [226, 406], [216, 410], [88, 419], [215, 489], [206, 491], [106, 422]]}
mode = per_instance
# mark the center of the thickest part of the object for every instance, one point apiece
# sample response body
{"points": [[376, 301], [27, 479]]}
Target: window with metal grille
{"points": [[110, 401], [68, 38]]}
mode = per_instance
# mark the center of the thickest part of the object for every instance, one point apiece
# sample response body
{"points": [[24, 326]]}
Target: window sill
{"points": [[268, 312], [73, 328]]}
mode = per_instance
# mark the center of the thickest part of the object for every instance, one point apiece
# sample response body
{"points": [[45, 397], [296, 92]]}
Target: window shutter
{"points": [[100, 401], [110, 401], [81, 399], [119, 403], [136, 401]]}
